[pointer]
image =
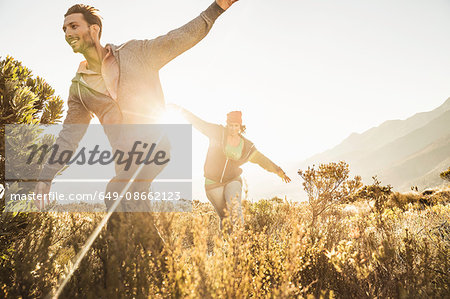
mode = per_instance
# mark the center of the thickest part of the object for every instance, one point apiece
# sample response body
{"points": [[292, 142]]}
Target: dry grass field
{"points": [[398, 250]]}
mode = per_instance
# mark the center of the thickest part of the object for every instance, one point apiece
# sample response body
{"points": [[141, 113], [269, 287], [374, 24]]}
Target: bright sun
{"points": [[172, 116]]}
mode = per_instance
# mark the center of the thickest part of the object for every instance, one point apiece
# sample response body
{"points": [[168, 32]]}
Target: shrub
{"points": [[445, 175], [328, 186]]}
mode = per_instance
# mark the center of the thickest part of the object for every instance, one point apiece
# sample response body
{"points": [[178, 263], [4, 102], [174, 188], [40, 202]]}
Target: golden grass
{"points": [[351, 251]]}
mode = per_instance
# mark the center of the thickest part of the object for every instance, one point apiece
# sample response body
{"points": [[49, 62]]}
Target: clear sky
{"points": [[305, 73]]}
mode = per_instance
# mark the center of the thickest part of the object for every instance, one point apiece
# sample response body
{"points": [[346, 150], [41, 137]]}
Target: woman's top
{"points": [[222, 165], [235, 153], [231, 152]]}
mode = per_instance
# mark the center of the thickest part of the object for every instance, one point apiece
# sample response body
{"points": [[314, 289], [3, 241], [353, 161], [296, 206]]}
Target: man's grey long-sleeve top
{"points": [[140, 99]]}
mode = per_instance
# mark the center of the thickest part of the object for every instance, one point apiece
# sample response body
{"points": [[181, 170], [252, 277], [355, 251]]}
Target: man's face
{"points": [[78, 33]]}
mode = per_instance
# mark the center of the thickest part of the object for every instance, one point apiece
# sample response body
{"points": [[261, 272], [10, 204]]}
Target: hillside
{"points": [[422, 168], [401, 152]]}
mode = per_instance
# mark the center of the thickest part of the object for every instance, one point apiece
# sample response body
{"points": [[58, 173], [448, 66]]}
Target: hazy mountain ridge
{"points": [[422, 168], [401, 152], [405, 146]]}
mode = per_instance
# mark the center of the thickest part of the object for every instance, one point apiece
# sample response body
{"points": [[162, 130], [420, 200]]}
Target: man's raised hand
{"points": [[225, 4]]}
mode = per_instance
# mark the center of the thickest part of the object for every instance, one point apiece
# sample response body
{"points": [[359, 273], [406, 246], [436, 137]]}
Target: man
{"points": [[119, 84]]}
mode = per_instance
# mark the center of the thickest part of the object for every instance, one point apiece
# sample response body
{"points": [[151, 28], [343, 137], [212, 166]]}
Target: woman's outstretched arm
{"points": [[204, 127], [258, 158]]}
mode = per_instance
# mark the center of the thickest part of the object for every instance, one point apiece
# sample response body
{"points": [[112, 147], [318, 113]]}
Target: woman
{"points": [[227, 151]]}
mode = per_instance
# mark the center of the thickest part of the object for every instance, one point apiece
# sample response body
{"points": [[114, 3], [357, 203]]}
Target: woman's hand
{"points": [[283, 176]]}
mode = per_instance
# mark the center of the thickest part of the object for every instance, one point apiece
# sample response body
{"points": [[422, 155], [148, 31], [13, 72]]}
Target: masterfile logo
{"points": [[145, 167]]}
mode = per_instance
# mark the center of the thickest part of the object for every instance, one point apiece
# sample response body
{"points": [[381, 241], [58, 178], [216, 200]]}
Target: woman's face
{"points": [[233, 129]]}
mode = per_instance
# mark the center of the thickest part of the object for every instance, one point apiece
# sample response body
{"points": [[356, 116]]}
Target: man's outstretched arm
{"points": [[161, 50]]}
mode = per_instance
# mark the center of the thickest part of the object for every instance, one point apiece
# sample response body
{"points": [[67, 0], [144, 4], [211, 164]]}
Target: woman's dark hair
{"points": [[89, 13]]}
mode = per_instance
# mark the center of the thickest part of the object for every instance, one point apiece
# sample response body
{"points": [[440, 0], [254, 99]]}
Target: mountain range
{"points": [[402, 153]]}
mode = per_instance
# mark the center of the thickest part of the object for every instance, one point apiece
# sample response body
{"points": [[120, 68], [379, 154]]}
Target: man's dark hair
{"points": [[89, 13]]}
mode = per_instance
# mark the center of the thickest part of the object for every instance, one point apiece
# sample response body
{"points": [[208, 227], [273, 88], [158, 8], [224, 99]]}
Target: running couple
{"points": [[120, 85]]}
